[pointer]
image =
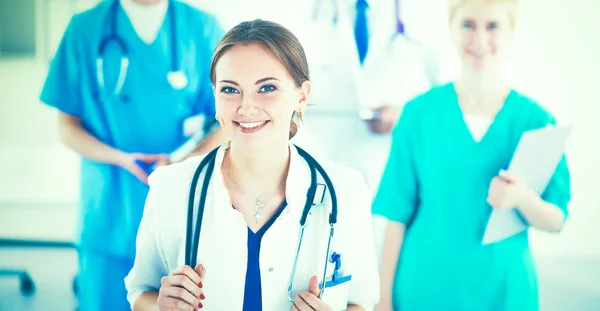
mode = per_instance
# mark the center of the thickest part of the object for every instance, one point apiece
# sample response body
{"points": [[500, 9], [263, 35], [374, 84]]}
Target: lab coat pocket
{"points": [[336, 293]]}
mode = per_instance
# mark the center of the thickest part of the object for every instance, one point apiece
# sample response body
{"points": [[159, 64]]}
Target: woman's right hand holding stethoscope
{"points": [[308, 300], [181, 290]]}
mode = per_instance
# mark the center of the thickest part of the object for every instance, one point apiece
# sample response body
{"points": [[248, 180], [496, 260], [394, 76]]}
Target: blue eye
{"points": [[493, 26], [267, 88], [228, 90], [468, 25]]}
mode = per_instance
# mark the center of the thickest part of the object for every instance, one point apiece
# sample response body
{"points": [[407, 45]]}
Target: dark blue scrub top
{"points": [[252, 293]]}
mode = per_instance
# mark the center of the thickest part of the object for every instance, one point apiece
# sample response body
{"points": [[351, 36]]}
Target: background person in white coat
{"points": [[331, 121], [386, 74], [246, 252]]}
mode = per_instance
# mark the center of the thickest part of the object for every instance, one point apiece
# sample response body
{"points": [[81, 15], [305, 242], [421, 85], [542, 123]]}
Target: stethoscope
{"points": [[176, 77], [191, 245]]}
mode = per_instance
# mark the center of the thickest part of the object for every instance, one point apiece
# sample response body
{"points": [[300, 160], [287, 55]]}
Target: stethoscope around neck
{"points": [[176, 77], [192, 237]]}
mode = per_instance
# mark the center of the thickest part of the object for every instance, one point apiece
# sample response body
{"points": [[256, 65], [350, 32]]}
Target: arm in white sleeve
{"points": [[150, 261], [364, 289]]}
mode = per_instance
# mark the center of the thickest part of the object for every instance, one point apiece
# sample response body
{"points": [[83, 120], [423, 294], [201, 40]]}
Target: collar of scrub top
{"points": [[176, 77]]}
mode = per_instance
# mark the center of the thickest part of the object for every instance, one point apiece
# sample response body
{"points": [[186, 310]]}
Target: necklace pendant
{"points": [[260, 211]]}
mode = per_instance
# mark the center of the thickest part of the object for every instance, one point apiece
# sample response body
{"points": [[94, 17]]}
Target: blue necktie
{"points": [[361, 30]]}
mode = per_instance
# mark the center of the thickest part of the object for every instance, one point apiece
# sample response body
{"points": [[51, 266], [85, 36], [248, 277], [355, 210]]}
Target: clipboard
{"points": [[534, 162]]}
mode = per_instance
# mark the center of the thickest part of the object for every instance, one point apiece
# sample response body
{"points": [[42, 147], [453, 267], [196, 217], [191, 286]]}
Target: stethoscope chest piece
{"points": [[177, 79]]}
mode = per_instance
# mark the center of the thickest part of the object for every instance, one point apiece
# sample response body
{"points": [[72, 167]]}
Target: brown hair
{"points": [[276, 39]]}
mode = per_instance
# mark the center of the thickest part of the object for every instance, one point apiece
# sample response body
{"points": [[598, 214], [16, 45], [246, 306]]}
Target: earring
{"points": [[299, 113]]}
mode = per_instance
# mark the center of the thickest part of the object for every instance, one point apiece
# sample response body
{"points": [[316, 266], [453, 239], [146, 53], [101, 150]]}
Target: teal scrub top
{"points": [[147, 117], [436, 181]]}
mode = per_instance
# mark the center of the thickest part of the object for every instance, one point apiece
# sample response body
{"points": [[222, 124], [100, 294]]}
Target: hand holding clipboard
{"points": [[534, 162]]}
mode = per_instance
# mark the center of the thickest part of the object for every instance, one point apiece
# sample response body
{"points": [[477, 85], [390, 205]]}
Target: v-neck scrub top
{"points": [[253, 288]]}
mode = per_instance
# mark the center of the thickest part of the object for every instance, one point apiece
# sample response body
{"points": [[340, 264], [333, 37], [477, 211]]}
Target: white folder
{"points": [[534, 162]]}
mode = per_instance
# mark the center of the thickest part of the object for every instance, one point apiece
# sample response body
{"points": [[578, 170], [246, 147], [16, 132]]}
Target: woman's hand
{"points": [[507, 191], [388, 115], [309, 300], [181, 290]]}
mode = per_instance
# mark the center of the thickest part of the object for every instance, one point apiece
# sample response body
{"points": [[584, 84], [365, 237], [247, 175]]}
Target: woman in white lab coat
{"points": [[254, 200]]}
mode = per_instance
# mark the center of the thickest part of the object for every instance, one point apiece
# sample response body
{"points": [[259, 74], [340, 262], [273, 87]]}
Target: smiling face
{"points": [[256, 96], [480, 31]]}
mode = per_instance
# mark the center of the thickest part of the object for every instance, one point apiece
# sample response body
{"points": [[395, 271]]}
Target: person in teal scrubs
{"points": [[113, 124], [445, 174]]}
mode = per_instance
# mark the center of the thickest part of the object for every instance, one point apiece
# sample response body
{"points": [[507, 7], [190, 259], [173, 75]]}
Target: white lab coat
{"points": [[223, 239]]}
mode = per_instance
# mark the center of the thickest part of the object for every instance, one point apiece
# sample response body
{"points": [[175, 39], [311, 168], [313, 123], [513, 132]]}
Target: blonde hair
{"points": [[512, 5]]}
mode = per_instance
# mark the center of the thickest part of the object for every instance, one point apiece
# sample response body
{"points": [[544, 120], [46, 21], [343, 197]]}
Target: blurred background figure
{"points": [[441, 181], [128, 77], [361, 61]]}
